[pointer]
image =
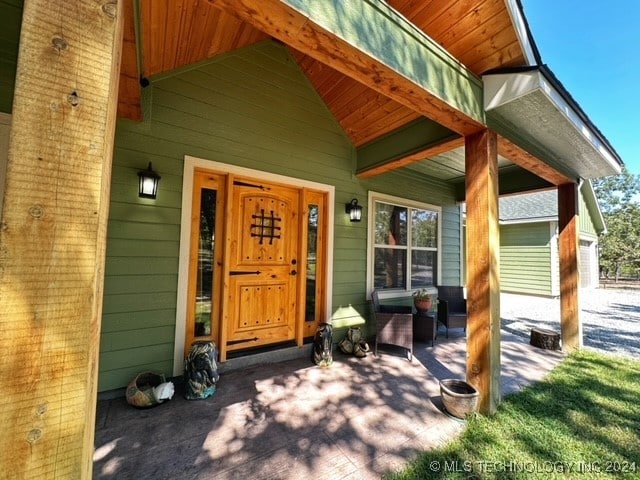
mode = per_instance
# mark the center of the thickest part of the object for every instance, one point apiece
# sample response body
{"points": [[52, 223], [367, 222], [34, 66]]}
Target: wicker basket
{"points": [[140, 389], [459, 398]]}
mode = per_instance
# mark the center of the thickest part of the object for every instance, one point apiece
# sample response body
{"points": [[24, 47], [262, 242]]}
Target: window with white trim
{"points": [[404, 244]]}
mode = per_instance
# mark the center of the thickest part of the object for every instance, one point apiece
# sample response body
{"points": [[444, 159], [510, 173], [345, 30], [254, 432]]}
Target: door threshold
{"points": [[275, 354]]}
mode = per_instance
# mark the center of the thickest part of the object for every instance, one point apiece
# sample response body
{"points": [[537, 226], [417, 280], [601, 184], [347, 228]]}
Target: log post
{"points": [[53, 235], [570, 324], [483, 267]]}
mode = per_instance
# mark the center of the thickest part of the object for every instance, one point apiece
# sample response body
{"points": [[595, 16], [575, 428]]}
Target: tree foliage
{"points": [[618, 196]]}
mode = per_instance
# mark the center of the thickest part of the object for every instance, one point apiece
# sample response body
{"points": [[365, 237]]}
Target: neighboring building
{"points": [[529, 261]]}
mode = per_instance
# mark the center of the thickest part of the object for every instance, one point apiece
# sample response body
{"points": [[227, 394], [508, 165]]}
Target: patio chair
{"points": [[452, 307], [394, 325]]}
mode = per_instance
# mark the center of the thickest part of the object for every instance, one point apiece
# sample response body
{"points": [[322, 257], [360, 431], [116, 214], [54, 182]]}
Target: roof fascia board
{"points": [[523, 33]]}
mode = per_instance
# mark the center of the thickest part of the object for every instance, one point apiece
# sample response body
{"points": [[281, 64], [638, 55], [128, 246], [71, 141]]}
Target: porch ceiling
{"points": [[177, 33], [483, 35]]}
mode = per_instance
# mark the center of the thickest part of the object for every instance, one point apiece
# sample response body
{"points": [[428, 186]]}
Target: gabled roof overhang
{"points": [[372, 43], [531, 108]]}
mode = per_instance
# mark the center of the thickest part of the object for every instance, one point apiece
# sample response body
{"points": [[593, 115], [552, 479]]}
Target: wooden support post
{"points": [[570, 324], [53, 235], [483, 267]]}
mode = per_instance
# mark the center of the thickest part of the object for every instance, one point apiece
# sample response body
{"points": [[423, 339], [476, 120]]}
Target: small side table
{"points": [[425, 328]]}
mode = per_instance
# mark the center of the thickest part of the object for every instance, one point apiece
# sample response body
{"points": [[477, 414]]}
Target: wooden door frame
{"points": [[190, 165]]}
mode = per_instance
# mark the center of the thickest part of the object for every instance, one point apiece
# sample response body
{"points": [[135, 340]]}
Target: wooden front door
{"points": [[257, 262], [262, 264]]}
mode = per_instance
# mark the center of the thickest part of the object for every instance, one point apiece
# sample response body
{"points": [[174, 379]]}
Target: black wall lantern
{"points": [[354, 210], [149, 179]]}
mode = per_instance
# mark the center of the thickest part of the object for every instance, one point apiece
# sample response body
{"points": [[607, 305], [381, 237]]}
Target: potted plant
{"points": [[422, 300]]}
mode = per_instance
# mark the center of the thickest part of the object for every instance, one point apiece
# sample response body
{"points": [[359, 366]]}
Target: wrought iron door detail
{"points": [[265, 226]]}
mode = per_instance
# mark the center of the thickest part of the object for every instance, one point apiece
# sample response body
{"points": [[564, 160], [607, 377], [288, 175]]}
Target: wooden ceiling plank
{"points": [[327, 79], [363, 113], [152, 19], [248, 35], [175, 12], [447, 21], [509, 56], [210, 44], [477, 24], [362, 134], [378, 112], [348, 90], [404, 6], [384, 126], [425, 14], [202, 26], [357, 97], [221, 40], [185, 32], [524, 159], [368, 107], [471, 50], [322, 76]]}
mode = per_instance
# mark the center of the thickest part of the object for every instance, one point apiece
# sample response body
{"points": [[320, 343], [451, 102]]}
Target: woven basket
{"points": [[140, 389]]}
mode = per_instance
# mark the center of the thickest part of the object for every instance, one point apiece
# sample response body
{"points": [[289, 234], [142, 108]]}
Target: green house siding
{"points": [[253, 108], [525, 258], [587, 226], [451, 245]]}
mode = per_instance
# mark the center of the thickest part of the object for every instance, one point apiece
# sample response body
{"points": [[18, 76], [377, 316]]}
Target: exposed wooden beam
{"points": [[418, 156], [569, 226], [53, 235], [413, 142], [483, 267], [521, 157], [425, 78]]}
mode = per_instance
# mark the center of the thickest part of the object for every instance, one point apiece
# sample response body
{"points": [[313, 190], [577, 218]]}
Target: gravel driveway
{"points": [[610, 318]]}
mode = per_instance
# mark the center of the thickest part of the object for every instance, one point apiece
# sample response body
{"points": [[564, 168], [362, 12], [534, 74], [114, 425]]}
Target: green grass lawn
{"points": [[582, 422]]}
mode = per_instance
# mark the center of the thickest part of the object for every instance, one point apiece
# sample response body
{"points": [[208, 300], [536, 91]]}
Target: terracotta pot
{"points": [[422, 305]]}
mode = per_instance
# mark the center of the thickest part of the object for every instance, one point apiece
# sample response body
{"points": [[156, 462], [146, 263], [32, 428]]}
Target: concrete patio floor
{"points": [[357, 419]]}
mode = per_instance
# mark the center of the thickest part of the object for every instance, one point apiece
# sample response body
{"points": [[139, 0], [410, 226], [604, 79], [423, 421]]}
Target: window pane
{"points": [[390, 267], [391, 224], [424, 228], [312, 255], [424, 269], [204, 284]]}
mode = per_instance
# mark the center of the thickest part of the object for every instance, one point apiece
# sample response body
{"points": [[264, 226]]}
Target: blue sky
{"points": [[593, 47]]}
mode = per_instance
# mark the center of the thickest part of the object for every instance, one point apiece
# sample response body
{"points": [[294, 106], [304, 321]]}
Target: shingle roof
{"points": [[529, 206]]}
